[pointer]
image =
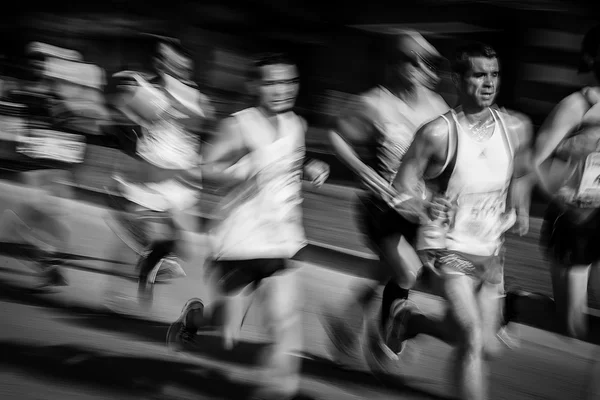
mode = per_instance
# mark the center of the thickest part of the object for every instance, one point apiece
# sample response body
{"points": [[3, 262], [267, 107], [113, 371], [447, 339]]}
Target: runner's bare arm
{"points": [[355, 127], [561, 122], [219, 156], [428, 147], [582, 140], [314, 170], [523, 180]]}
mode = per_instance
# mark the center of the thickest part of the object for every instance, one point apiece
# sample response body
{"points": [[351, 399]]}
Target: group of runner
{"points": [[443, 187]]}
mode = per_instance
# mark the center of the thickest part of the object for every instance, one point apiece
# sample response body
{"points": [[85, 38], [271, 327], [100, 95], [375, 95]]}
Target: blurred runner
{"points": [[259, 153], [160, 124], [45, 152], [386, 119], [567, 157]]}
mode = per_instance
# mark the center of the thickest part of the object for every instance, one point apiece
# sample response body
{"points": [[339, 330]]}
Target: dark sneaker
{"points": [[344, 337], [52, 278], [179, 335], [388, 341]]}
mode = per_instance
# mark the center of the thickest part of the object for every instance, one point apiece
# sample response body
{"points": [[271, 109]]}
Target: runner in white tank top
{"points": [[262, 217], [385, 118], [479, 186], [259, 155], [487, 151]]}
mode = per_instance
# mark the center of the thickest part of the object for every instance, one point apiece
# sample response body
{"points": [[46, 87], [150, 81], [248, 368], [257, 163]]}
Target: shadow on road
{"points": [[135, 376]]}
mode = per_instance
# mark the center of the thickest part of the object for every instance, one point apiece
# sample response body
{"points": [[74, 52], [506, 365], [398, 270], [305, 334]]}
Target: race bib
{"points": [[479, 214], [589, 186]]}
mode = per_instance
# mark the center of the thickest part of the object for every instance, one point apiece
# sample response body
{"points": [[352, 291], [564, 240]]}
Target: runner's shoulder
{"points": [[434, 132], [518, 124]]}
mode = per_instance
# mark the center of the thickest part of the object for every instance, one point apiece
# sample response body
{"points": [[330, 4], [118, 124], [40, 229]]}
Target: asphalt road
{"points": [[65, 345]]}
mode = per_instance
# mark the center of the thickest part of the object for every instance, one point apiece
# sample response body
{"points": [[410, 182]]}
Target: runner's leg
{"points": [[570, 287], [281, 307]]}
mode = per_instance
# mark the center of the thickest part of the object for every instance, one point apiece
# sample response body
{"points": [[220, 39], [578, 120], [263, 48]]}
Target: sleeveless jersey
{"points": [[262, 218], [167, 143], [479, 187], [582, 150], [396, 123]]}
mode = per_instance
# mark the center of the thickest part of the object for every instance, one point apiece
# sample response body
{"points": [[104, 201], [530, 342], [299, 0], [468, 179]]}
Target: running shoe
{"points": [[179, 335], [343, 335], [52, 278], [388, 341]]}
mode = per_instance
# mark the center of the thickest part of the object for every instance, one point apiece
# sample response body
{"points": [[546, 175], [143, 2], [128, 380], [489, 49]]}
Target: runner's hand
{"points": [[317, 172], [439, 208], [411, 209], [521, 226]]}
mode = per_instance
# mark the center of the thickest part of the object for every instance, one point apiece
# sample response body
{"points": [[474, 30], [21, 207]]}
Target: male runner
{"points": [[566, 158], [164, 113], [259, 152], [487, 148], [386, 119]]}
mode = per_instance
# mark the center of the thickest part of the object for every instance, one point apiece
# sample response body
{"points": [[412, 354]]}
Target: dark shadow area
{"points": [[25, 251], [539, 311], [135, 376]]}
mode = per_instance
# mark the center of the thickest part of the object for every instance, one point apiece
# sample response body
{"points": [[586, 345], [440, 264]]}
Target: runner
{"points": [[566, 157], [161, 115], [386, 118], [484, 151], [44, 151], [259, 153]]}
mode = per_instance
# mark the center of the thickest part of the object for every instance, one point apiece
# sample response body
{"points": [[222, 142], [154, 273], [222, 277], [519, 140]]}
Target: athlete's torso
{"points": [[582, 151], [262, 218], [396, 123], [479, 186], [166, 143]]}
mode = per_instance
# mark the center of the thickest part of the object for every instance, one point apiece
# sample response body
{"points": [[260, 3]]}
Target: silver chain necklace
{"points": [[481, 130]]}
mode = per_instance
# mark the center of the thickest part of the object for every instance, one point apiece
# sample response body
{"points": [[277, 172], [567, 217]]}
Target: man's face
{"points": [[278, 87], [481, 82]]}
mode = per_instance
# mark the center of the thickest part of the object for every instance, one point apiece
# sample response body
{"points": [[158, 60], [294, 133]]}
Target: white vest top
{"points": [[262, 218], [397, 123], [479, 185]]}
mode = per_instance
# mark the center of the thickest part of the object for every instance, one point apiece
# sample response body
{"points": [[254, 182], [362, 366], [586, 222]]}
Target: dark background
{"points": [[335, 58]]}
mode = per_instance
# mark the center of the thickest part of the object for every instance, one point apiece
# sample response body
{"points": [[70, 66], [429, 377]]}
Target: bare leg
{"points": [[463, 328], [282, 319], [570, 286], [490, 305], [401, 259]]}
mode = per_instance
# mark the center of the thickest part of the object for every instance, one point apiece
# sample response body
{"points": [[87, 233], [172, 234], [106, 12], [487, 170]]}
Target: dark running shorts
{"points": [[235, 275], [568, 242], [377, 221], [482, 268]]}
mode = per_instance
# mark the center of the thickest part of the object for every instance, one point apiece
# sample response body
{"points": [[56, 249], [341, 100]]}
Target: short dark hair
{"points": [[464, 53], [268, 59]]}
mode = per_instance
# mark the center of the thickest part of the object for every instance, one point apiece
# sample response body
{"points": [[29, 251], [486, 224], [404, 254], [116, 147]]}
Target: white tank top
{"points": [[397, 124], [262, 218], [479, 186]]}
